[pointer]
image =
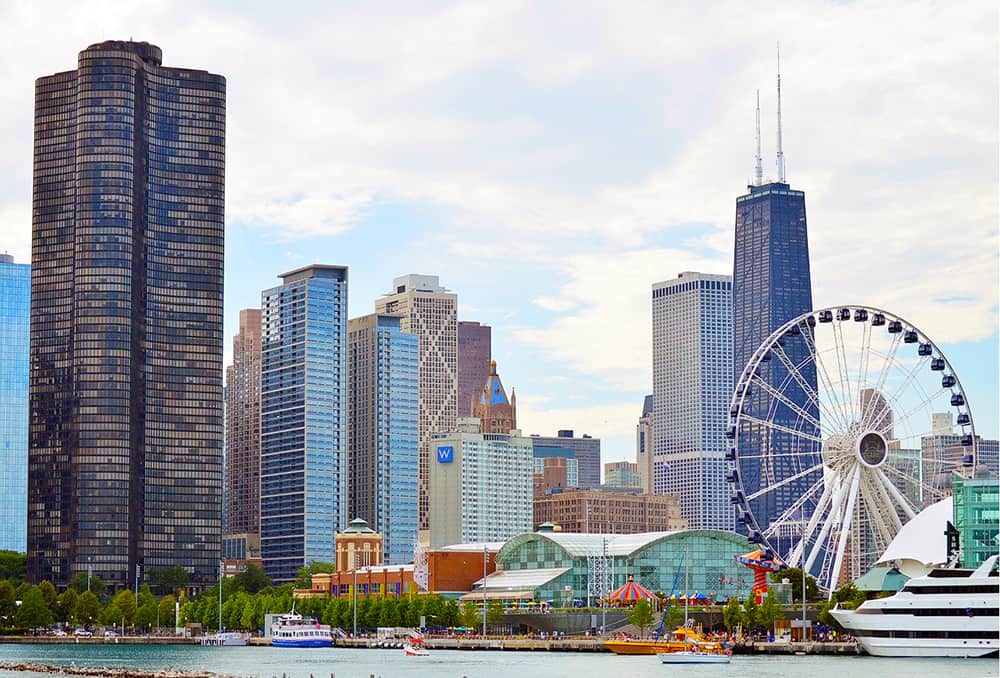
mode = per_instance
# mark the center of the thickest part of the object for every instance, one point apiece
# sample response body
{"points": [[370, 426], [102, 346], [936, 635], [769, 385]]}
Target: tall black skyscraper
{"points": [[125, 448], [771, 285]]}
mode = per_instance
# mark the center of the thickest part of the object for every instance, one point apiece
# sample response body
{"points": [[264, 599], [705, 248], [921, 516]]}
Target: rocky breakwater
{"points": [[104, 672]]}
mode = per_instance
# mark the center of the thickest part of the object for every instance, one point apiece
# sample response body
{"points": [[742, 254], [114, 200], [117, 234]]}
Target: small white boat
{"points": [[294, 630], [689, 657], [227, 639]]}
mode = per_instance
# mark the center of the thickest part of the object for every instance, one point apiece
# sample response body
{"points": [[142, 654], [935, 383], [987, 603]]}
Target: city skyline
{"points": [[649, 202]]}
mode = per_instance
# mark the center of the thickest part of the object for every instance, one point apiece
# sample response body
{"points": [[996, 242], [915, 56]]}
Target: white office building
{"points": [[480, 485], [692, 386]]}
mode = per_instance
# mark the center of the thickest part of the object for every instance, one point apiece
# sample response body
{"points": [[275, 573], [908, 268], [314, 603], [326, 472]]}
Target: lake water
{"points": [[266, 662]]}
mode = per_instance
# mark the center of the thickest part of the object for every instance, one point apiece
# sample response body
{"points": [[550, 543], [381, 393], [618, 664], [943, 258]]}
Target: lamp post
{"points": [[486, 555], [221, 565], [604, 592]]}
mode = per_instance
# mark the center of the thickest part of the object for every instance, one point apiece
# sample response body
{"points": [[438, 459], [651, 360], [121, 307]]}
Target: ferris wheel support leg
{"points": [[900, 499], [797, 559], [845, 530], [831, 518]]}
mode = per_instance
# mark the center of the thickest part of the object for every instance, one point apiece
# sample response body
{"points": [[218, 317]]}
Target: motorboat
{"points": [[950, 612], [294, 630], [415, 648], [682, 638]]}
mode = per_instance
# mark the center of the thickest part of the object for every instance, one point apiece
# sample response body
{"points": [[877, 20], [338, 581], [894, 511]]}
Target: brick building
{"points": [[592, 511]]}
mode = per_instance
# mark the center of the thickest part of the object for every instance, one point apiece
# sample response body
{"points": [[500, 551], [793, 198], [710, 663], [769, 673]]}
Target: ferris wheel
{"points": [[845, 422]]}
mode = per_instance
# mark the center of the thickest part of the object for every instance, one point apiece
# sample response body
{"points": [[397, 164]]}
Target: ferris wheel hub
{"points": [[872, 449]]}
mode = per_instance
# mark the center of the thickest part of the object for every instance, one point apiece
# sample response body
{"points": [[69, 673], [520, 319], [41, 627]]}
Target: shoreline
{"points": [[580, 645], [106, 672]]}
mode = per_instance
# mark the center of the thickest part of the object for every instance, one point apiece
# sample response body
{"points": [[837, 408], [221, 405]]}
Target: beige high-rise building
{"points": [[243, 428], [429, 311]]}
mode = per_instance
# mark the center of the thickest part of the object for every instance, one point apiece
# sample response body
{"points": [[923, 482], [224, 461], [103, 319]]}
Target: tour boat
{"points": [[293, 630], [950, 612]]}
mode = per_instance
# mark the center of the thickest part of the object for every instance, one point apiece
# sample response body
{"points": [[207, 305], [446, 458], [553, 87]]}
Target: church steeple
{"points": [[496, 412]]}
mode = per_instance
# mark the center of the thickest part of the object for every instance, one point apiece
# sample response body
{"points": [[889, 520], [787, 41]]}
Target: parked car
{"points": [[57, 632], [83, 632]]}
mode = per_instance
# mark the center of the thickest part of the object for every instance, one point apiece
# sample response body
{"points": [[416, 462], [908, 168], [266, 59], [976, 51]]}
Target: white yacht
{"points": [[948, 613]]}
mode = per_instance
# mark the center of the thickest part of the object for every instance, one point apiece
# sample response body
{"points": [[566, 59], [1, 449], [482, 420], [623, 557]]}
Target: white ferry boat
{"points": [[293, 630], [948, 613]]}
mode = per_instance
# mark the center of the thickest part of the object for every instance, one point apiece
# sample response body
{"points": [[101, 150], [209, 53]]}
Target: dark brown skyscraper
{"points": [[125, 413], [243, 427], [474, 355]]}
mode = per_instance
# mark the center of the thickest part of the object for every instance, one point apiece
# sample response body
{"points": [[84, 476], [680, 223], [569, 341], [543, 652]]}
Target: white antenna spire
{"points": [[781, 153], [758, 170]]}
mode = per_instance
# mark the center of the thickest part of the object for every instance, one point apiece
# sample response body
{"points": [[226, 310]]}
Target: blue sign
{"points": [[446, 455]]}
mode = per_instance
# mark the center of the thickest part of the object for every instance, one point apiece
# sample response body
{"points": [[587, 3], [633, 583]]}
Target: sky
{"points": [[550, 161]]}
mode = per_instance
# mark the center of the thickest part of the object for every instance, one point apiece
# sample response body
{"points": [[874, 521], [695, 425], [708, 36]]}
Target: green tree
{"points": [[494, 613], [732, 614], [13, 566], [166, 607], [794, 577], [124, 600], [8, 606], [450, 614], [145, 616], [209, 613], [469, 615], [168, 579], [66, 605], [751, 617], [251, 580], [48, 592], [97, 585], [641, 615], [145, 596], [33, 612], [675, 617], [770, 611], [304, 579], [111, 615], [87, 608], [389, 615]]}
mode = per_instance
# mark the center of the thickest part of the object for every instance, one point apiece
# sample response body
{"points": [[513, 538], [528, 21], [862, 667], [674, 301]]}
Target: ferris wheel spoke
{"points": [[784, 429], [866, 336], [794, 371], [772, 455], [832, 517], [845, 529], [894, 492], [888, 362], [842, 370], [794, 508], [925, 405], [843, 420], [878, 520], [898, 392], [887, 502], [786, 481], [794, 407]]}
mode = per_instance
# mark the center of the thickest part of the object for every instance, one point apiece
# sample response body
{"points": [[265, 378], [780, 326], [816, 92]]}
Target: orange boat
{"points": [[680, 640]]}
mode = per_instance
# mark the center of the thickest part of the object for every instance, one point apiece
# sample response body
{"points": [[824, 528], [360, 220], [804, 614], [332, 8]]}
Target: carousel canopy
{"points": [[630, 591]]}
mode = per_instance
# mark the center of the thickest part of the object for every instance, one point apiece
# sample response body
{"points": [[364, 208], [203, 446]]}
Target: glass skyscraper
{"points": [[692, 386], [771, 285], [303, 451], [383, 369], [125, 428], [15, 299]]}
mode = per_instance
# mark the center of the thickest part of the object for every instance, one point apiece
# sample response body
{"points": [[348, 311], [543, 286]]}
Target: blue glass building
{"points": [[15, 305], [383, 364], [771, 285], [303, 462]]}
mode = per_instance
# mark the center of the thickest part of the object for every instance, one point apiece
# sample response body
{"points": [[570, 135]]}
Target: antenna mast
{"points": [[758, 170], [781, 153]]}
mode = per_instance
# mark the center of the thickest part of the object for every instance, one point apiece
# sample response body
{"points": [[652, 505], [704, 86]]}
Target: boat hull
{"points": [[646, 647], [304, 642], [692, 658], [904, 647]]}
